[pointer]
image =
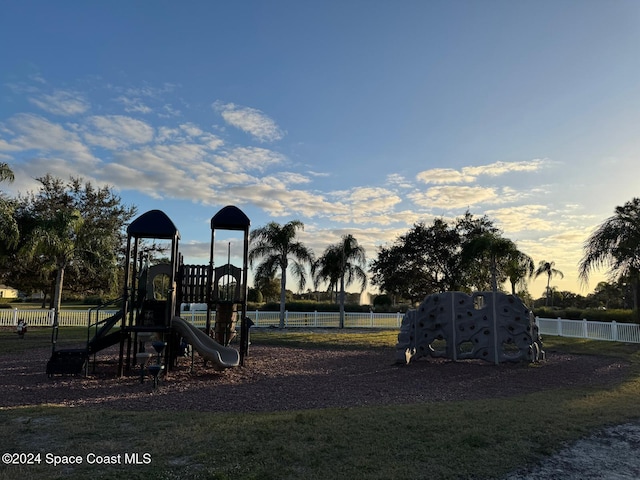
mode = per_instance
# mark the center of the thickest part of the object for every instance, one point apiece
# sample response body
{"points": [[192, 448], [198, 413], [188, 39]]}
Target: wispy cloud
{"points": [[501, 168], [35, 133], [444, 176], [133, 105], [470, 174], [249, 120], [523, 218], [169, 111], [248, 158], [61, 102], [366, 204], [148, 91], [397, 180], [116, 131], [451, 197], [282, 202]]}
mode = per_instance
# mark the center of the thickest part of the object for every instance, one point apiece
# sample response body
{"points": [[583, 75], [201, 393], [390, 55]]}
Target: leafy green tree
{"points": [[428, 259], [615, 244], [391, 272], [9, 232], [70, 228], [279, 249], [58, 239], [6, 174], [436, 249], [608, 295], [472, 274], [267, 284], [420, 262], [548, 269], [340, 265]]}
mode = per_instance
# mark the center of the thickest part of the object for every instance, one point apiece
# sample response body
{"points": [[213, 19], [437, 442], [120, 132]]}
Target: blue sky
{"points": [[352, 116]]}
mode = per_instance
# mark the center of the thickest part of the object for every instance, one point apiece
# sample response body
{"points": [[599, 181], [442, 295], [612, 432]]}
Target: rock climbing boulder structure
{"points": [[491, 326]]}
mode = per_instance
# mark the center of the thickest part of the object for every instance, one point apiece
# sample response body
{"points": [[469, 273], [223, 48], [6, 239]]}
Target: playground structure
{"points": [[491, 326], [147, 327]]}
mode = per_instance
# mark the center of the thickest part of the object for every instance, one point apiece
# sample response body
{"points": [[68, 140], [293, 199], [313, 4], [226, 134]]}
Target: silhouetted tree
{"points": [[548, 269], [615, 244], [340, 265], [278, 248]]}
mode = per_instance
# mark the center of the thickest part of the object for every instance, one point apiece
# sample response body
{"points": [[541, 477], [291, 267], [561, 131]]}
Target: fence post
{"points": [[585, 330], [286, 318], [315, 318], [398, 319], [15, 317], [559, 326], [256, 317], [614, 331]]}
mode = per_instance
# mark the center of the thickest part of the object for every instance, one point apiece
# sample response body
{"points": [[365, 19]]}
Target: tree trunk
{"points": [[548, 291], [57, 295], [636, 297], [342, 302], [283, 295], [494, 274]]}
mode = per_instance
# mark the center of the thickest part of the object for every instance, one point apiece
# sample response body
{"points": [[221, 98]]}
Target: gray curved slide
{"points": [[206, 346]]}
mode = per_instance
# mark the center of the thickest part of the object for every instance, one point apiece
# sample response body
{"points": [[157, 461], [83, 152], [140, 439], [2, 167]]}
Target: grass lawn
{"points": [[450, 440]]}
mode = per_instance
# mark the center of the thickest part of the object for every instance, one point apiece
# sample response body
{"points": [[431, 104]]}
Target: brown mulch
{"points": [[282, 378]]}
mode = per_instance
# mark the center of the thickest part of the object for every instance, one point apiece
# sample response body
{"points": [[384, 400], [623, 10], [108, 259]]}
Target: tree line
{"points": [[469, 254], [72, 234]]}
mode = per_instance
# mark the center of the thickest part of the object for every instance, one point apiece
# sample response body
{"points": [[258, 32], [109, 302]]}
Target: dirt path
{"points": [[611, 454]]}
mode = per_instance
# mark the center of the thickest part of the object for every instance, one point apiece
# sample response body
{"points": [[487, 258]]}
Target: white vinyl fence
{"points": [[39, 317], [79, 318], [611, 331], [310, 319]]}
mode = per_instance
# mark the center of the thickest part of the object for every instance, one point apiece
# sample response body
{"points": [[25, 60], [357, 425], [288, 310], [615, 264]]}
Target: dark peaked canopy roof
{"points": [[153, 224], [230, 218]]}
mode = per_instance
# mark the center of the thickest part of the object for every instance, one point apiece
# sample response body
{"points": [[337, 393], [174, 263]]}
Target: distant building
{"points": [[8, 292]]}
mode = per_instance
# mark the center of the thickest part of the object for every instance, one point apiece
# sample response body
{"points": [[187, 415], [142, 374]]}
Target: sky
{"points": [[351, 116]]}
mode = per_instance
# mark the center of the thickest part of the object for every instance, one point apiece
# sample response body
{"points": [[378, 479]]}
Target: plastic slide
{"points": [[103, 339], [206, 346]]}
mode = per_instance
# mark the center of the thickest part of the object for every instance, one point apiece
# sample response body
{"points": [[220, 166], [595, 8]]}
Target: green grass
{"points": [[38, 337], [449, 440], [329, 339]]}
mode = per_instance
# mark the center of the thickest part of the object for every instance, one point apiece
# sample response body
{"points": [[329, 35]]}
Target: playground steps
{"points": [[70, 361], [104, 341], [73, 361]]}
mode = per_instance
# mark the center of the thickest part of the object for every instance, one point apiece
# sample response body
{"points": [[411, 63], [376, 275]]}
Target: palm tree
{"points": [[327, 269], [548, 269], [518, 268], [59, 241], [616, 245], [9, 231], [492, 247], [340, 265], [278, 248]]}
